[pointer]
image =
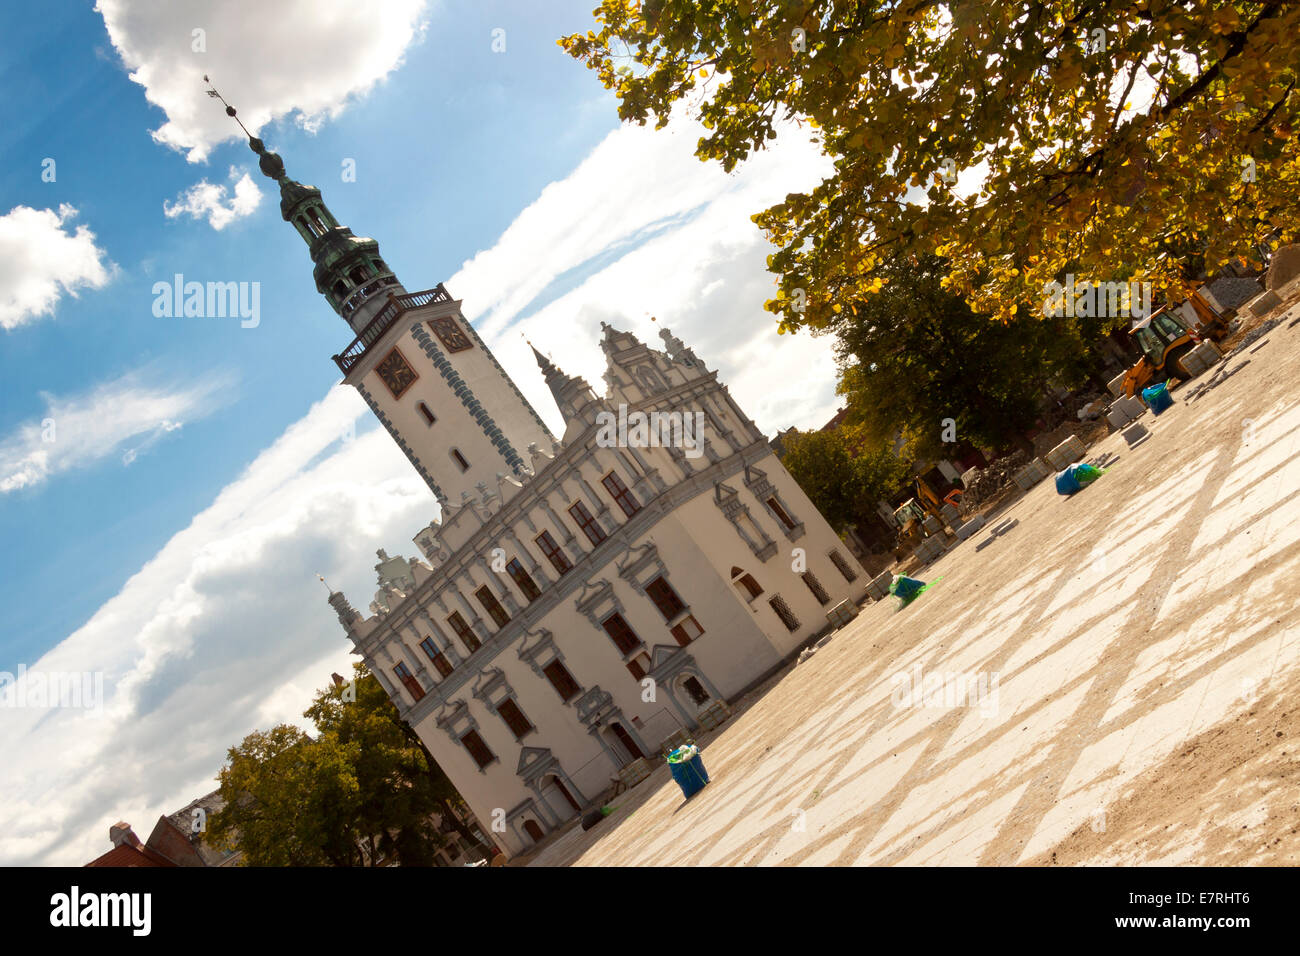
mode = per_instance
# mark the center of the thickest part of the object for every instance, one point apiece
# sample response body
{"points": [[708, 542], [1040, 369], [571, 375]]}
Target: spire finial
{"points": [[230, 110], [271, 164]]}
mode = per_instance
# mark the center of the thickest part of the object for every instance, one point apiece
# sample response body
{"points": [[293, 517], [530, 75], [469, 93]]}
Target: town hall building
{"points": [[579, 599]]}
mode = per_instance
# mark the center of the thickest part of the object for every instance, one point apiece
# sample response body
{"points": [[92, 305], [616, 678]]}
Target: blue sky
{"points": [[168, 528]]}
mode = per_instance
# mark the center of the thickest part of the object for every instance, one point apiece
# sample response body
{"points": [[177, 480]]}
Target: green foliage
{"points": [[1103, 136], [914, 354], [295, 800], [843, 478]]}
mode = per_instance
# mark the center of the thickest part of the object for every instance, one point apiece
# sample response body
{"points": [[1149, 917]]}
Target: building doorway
{"points": [[558, 797], [626, 740], [532, 828]]}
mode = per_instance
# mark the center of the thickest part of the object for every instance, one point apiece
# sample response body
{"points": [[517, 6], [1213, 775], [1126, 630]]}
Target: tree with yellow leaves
{"points": [[1021, 141]]}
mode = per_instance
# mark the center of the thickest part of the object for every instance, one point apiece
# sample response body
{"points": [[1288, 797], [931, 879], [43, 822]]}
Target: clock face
{"points": [[396, 373], [450, 334]]}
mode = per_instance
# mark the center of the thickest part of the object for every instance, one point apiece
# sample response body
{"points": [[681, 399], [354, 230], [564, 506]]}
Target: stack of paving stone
{"points": [[1116, 384], [879, 586], [1066, 454], [968, 528], [1124, 411], [1206, 355], [930, 548], [841, 614], [1032, 474]]}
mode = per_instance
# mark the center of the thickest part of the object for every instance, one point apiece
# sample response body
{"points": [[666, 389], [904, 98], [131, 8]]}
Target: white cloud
{"points": [[304, 58], [204, 199], [665, 235], [80, 430], [41, 259], [225, 630]]}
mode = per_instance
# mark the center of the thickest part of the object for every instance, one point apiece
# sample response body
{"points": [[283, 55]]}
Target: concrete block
{"points": [[1116, 384], [1283, 268], [1208, 354], [1066, 454], [932, 525], [1134, 406], [1264, 303], [1135, 434], [879, 586], [841, 614], [1117, 418], [950, 515]]}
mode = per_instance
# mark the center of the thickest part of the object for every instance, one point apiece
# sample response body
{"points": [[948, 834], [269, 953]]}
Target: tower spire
{"points": [[349, 272]]}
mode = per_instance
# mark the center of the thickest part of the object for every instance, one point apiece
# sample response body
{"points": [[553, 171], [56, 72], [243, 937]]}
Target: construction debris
{"points": [[989, 483]]}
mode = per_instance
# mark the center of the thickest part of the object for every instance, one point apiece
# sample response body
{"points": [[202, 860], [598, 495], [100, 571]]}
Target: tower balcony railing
{"points": [[383, 321], [355, 300]]}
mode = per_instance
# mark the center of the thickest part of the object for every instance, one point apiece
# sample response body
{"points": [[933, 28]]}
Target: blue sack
{"points": [[1076, 476], [1157, 398], [905, 588], [1066, 483]]}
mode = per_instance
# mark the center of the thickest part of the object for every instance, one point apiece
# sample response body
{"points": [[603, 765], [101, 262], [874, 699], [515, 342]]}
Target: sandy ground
{"points": [[1139, 645]]}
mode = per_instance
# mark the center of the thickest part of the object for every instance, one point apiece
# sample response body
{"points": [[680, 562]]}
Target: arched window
{"points": [[745, 583], [315, 223]]}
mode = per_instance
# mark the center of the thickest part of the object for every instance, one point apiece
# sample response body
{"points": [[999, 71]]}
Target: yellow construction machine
{"points": [[1171, 332]]}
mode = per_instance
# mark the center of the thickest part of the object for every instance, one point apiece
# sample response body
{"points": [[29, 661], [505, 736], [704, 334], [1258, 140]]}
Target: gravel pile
{"points": [[1257, 333], [1233, 292]]}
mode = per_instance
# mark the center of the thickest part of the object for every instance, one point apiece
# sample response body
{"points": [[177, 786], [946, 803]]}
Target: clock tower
{"points": [[419, 365]]}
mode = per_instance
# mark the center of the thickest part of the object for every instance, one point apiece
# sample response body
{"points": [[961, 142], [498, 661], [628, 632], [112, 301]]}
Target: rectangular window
{"points": [[621, 634], [619, 492], [783, 612], [492, 606], [688, 630], [635, 669], [665, 598], [843, 567], [477, 749], [459, 459], [438, 657], [514, 717], [780, 513], [561, 680], [553, 552], [408, 679], [463, 632], [429, 417], [523, 580], [816, 588], [587, 523]]}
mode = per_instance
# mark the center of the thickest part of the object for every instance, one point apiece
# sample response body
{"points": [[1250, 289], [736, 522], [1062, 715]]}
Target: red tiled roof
{"points": [[126, 855]]}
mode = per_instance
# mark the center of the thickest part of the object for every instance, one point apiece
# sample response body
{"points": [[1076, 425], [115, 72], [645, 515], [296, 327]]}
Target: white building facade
{"points": [[578, 600]]}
